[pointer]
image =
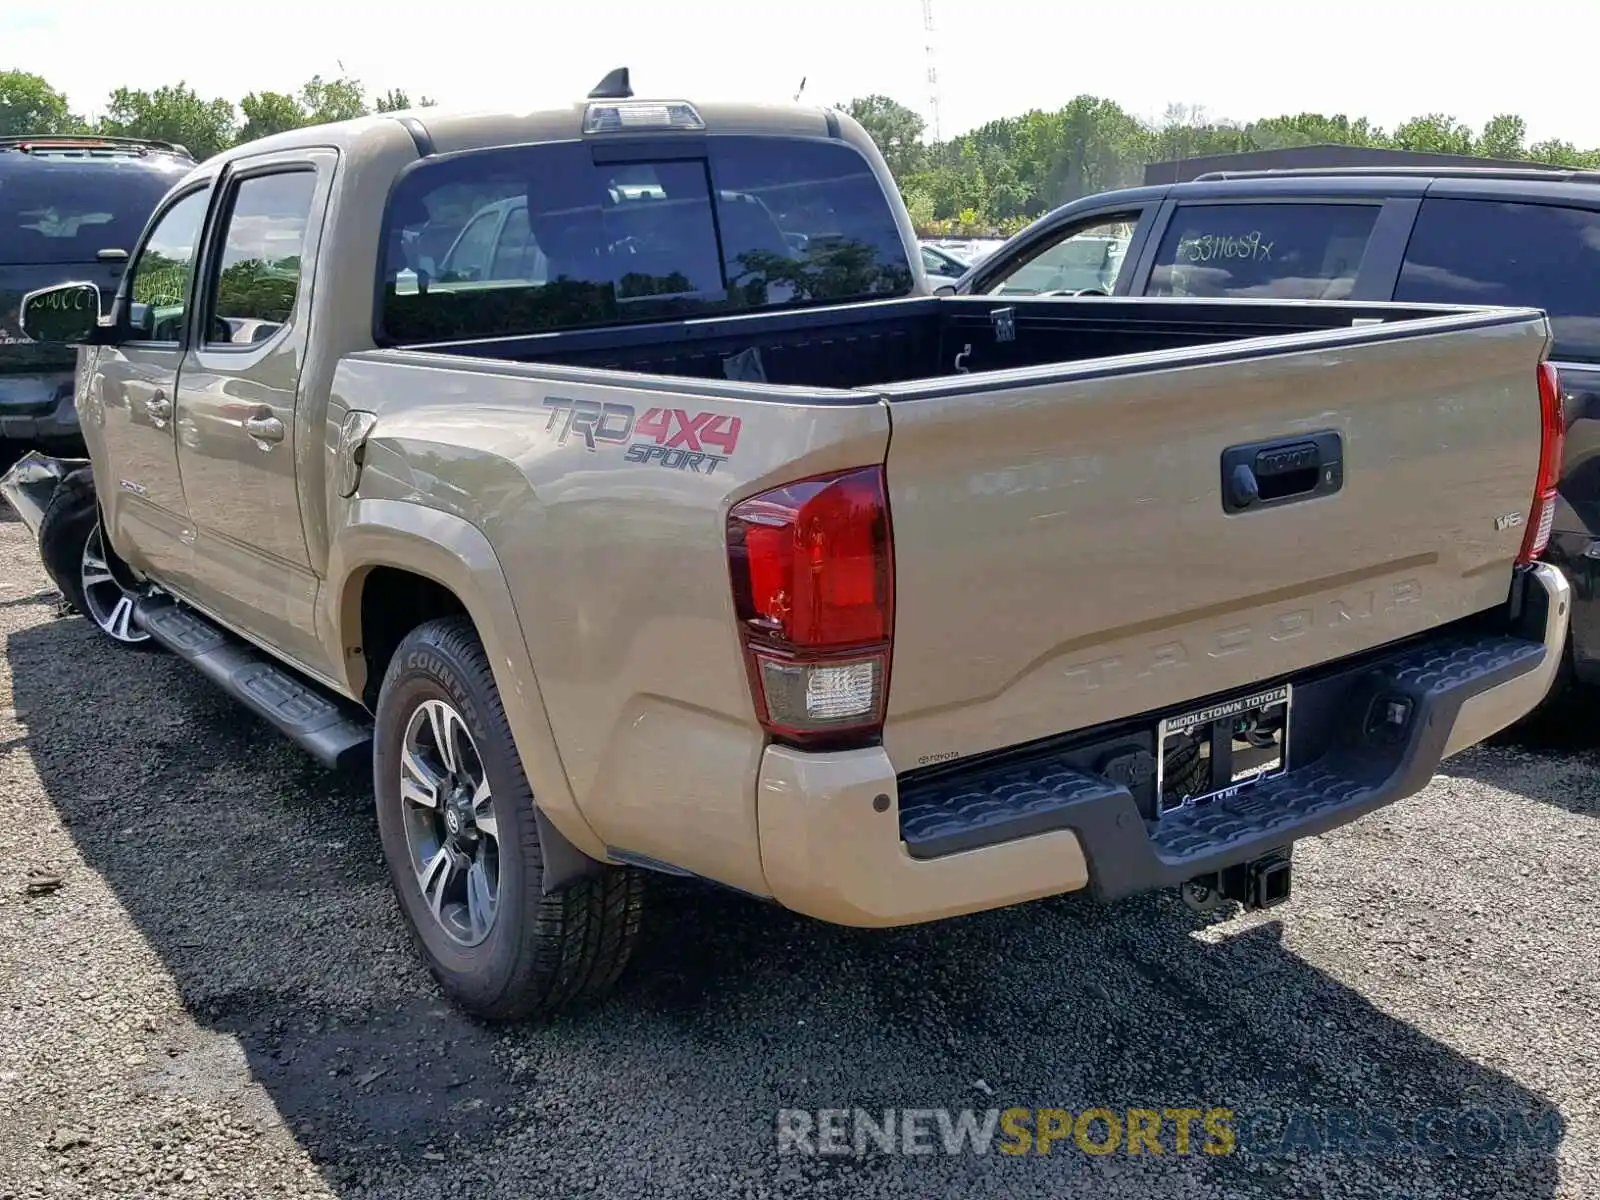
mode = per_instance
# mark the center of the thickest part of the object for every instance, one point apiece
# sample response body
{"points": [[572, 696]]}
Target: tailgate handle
{"points": [[1271, 474]]}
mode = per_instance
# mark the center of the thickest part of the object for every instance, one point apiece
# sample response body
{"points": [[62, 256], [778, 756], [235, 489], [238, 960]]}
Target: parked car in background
{"points": [[1086, 265], [1426, 235], [971, 251], [71, 207], [942, 266]]}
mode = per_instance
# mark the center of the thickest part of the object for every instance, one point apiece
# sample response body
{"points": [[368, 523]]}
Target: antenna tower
{"points": [[933, 69]]}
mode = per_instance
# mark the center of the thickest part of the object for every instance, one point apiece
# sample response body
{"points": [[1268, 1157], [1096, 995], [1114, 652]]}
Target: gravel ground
{"points": [[219, 1000]]}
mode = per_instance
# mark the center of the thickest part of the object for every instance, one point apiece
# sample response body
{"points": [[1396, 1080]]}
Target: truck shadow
{"points": [[258, 881], [1553, 758]]}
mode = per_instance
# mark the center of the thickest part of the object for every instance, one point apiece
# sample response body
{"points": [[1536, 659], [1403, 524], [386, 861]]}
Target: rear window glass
{"points": [[1542, 255], [534, 238], [67, 212], [1283, 251]]}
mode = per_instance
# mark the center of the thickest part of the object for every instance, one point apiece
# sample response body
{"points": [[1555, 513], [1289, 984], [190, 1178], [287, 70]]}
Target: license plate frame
{"points": [[1234, 760]]}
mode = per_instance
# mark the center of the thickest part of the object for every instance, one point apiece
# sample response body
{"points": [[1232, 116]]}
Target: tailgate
{"points": [[1063, 552]]}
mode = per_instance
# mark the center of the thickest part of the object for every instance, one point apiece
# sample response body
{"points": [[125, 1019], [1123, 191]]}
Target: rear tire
{"points": [[84, 567], [456, 819]]}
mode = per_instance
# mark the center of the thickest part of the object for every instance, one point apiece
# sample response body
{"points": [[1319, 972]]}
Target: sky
{"points": [[1234, 59]]}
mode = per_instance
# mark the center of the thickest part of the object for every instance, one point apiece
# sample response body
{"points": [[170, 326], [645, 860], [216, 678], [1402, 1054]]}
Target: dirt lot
{"points": [[219, 1000]]}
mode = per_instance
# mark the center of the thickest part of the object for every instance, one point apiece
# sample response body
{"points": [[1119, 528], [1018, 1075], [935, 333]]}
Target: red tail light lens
{"points": [[813, 586], [1553, 432]]}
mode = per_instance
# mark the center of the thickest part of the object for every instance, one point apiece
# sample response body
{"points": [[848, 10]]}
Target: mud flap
{"points": [[564, 863]]}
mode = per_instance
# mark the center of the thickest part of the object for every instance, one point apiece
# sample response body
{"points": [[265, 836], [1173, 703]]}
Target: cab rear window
{"points": [[1278, 251], [530, 239]]}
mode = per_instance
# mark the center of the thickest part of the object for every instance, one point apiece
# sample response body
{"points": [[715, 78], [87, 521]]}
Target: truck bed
{"points": [[903, 341], [1065, 549]]}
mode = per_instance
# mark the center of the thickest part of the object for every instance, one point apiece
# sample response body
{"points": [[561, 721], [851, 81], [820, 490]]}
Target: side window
{"points": [[516, 254], [1278, 251], [1089, 259], [933, 264], [158, 283], [1541, 255], [469, 257], [258, 276]]}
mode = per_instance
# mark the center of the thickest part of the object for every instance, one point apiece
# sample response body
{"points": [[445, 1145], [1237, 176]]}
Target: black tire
{"points": [[541, 952], [70, 519], [64, 529]]}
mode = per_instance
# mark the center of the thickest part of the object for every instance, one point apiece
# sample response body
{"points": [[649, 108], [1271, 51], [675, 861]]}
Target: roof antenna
{"points": [[614, 86], [800, 89]]}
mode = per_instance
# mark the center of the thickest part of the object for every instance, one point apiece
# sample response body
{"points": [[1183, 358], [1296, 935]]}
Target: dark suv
{"points": [[1423, 235], [70, 208]]}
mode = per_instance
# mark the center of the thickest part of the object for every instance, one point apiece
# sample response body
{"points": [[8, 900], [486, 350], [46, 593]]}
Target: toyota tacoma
{"points": [[608, 482]]}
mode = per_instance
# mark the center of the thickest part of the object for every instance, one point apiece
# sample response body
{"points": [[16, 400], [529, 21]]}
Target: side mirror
{"points": [[67, 314], [945, 289]]}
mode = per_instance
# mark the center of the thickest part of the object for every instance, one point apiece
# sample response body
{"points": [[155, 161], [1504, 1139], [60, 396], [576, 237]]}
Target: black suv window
{"points": [[61, 211], [757, 223], [1286, 251], [1482, 252]]}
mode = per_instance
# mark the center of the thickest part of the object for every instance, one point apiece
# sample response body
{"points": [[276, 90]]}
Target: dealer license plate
{"points": [[1221, 749]]}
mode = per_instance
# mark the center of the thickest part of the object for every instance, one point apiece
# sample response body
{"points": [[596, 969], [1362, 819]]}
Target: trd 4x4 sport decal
{"points": [[668, 437]]}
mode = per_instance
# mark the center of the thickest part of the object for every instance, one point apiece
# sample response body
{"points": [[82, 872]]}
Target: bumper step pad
{"points": [[1362, 769]]}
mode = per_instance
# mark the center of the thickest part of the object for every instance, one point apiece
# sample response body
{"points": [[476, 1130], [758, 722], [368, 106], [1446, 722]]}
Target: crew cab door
{"points": [[131, 398], [236, 400]]}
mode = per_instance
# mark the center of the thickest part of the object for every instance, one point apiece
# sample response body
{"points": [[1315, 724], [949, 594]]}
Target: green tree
{"points": [[1503, 136], [330, 100], [896, 129], [1314, 129], [997, 177], [992, 179], [28, 104], [1557, 153], [396, 100], [174, 113], [1435, 133], [267, 113]]}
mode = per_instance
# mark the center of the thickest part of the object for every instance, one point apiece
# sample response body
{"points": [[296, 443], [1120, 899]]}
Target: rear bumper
{"points": [[846, 840]]}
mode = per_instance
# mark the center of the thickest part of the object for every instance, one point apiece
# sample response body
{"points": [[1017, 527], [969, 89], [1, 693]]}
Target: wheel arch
{"points": [[424, 561]]}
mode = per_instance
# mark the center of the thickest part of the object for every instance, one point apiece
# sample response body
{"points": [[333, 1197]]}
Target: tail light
{"points": [[1553, 432], [813, 586]]}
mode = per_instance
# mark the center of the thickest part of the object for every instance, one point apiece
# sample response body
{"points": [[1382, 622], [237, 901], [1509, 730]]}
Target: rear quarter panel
{"points": [[617, 570]]}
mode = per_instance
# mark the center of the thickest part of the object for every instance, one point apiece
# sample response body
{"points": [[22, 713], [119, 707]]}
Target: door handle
{"points": [[264, 429], [158, 406], [1285, 471]]}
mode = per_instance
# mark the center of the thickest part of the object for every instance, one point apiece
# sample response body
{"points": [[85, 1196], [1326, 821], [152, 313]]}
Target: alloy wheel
{"points": [[108, 600], [452, 837]]}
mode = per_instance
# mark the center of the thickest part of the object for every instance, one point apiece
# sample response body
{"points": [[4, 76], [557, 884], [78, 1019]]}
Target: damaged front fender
{"points": [[29, 485]]}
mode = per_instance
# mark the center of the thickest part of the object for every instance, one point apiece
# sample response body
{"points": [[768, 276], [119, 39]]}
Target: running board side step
{"points": [[331, 729]]}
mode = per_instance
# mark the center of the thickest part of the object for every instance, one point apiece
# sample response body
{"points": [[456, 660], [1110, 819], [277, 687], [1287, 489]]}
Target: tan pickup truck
{"points": [[611, 478]]}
